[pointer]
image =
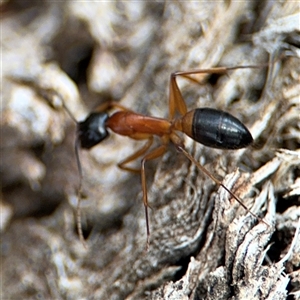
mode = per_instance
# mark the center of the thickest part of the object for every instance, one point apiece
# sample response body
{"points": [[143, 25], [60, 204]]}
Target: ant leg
{"points": [[217, 70], [218, 182], [152, 155], [176, 101], [121, 165], [109, 105], [134, 156]]}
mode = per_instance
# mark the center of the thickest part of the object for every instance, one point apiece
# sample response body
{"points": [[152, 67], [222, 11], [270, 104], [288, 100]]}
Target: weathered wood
{"points": [[203, 244]]}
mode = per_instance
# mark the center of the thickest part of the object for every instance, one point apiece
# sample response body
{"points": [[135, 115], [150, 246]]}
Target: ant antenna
{"points": [[79, 193], [79, 168]]}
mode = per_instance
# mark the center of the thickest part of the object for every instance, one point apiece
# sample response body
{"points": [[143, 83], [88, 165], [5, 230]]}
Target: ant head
{"points": [[92, 130]]}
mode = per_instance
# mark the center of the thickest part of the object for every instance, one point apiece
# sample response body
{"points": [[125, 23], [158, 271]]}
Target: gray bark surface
{"points": [[203, 244]]}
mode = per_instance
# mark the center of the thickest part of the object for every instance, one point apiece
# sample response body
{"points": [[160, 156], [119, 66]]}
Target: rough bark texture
{"points": [[203, 245]]}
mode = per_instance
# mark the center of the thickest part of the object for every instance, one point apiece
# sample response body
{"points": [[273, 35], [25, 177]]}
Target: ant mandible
{"points": [[210, 127]]}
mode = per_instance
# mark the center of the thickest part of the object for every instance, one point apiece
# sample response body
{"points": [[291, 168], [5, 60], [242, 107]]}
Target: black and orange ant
{"points": [[210, 127]]}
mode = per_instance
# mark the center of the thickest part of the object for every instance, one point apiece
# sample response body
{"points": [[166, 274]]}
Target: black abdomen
{"points": [[218, 129]]}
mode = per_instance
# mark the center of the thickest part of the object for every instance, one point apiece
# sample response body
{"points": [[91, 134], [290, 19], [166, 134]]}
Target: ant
{"points": [[210, 127]]}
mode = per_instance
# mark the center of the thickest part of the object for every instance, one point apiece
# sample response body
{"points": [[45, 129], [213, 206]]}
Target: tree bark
{"points": [[203, 244]]}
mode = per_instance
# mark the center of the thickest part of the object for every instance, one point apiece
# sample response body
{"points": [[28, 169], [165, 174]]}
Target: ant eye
{"points": [[92, 130]]}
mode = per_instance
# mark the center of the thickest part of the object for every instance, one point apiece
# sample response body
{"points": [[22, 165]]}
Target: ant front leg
{"points": [[110, 105], [134, 156], [155, 153]]}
